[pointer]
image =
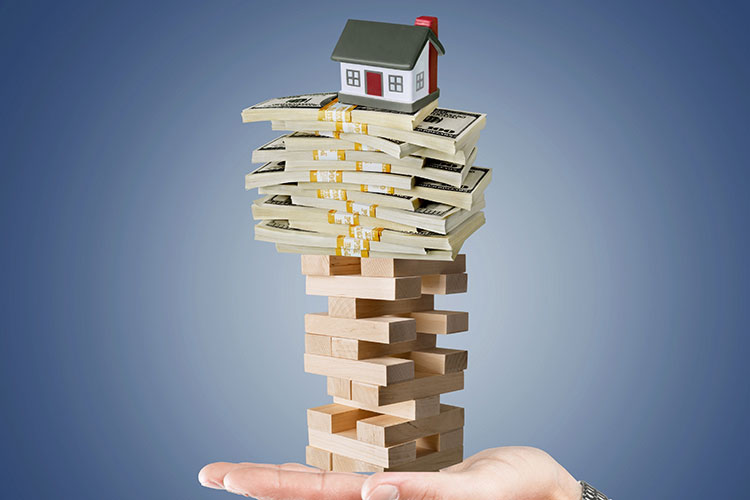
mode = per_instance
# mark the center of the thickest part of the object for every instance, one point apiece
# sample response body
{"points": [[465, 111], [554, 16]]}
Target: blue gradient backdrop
{"points": [[144, 332]]}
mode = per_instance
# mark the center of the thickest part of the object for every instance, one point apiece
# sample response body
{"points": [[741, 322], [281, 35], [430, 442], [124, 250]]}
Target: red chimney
{"points": [[432, 23]]}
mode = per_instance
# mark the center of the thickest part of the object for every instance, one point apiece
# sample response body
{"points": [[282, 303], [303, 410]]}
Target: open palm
{"points": [[508, 473]]}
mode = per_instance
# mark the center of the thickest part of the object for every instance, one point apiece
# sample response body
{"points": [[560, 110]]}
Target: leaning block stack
{"points": [[376, 345]]}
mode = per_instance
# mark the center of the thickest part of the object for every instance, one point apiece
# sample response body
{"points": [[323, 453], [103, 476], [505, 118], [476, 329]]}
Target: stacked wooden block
{"points": [[377, 347]]}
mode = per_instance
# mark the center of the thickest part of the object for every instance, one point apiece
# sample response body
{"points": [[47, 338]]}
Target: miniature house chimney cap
{"points": [[388, 45]]}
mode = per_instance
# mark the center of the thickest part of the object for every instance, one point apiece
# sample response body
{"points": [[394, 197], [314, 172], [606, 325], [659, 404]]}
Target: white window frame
{"points": [[396, 84], [353, 78]]}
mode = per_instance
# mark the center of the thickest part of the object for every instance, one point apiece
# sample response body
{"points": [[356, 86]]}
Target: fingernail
{"points": [[212, 484], [384, 492]]}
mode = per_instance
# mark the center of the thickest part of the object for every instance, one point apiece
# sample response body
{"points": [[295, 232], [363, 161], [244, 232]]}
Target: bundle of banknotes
{"points": [[367, 182]]}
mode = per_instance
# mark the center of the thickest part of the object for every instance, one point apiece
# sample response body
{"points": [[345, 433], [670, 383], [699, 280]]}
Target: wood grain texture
{"points": [[380, 371], [445, 284], [346, 443], [443, 441], [339, 387], [412, 410], [438, 360], [335, 418], [359, 349], [440, 322], [427, 461], [387, 430], [381, 329], [409, 287], [329, 265], [380, 267], [318, 344], [347, 307], [423, 385], [315, 457]]}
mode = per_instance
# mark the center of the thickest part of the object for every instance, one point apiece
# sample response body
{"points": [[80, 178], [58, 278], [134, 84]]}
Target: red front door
{"points": [[374, 83]]}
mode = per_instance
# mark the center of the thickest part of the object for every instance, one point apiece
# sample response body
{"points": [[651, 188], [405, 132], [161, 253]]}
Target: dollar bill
{"points": [[403, 202], [418, 239], [283, 207], [445, 130], [435, 217], [275, 150], [464, 196], [342, 140], [279, 231], [276, 173], [324, 107]]}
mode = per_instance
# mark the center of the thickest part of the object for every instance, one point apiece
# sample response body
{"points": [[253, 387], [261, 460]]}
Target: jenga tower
{"points": [[377, 347]]}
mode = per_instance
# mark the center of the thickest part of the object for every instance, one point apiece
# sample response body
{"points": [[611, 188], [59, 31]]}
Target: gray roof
{"points": [[387, 45]]}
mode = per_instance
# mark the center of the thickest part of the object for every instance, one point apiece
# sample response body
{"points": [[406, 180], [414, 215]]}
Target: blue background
{"points": [[145, 333]]}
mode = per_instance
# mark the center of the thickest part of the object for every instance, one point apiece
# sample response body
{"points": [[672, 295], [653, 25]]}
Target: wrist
{"points": [[568, 489]]}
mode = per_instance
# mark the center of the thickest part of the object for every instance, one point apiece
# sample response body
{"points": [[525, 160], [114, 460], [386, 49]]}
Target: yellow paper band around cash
{"points": [[329, 154], [365, 233], [376, 189], [352, 252], [361, 209], [357, 146], [326, 175], [336, 217], [352, 128], [368, 166], [336, 134], [348, 242], [332, 194], [335, 111]]}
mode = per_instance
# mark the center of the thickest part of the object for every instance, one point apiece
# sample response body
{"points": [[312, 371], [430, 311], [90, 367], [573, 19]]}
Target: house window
{"points": [[395, 83], [420, 80], [352, 78]]}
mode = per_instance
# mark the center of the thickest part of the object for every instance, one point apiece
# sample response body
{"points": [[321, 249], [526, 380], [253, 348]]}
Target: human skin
{"points": [[507, 473]]}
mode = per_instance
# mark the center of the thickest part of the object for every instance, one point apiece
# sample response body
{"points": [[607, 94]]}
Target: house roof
{"points": [[387, 45]]}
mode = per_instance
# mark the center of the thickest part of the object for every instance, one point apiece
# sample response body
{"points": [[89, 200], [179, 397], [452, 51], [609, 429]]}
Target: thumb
{"points": [[416, 486]]}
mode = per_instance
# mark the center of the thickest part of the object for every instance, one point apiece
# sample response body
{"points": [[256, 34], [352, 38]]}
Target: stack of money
{"points": [[358, 181]]}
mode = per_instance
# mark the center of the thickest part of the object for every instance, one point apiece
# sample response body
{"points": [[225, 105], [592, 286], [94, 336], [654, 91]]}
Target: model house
{"points": [[389, 66]]}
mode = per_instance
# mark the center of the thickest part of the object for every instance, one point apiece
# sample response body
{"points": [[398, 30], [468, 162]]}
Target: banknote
{"points": [[283, 207], [280, 231], [276, 173], [325, 107], [445, 130], [436, 217], [402, 202], [418, 239]]}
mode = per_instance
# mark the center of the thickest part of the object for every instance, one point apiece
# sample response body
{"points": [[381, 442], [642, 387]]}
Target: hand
{"points": [[509, 473]]}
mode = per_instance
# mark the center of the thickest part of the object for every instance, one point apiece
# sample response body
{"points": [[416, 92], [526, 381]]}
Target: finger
{"points": [[275, 483], [212, 475], [421, 486]]}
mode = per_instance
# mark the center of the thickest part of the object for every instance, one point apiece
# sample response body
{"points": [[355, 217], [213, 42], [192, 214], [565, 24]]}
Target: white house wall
{"points": [[410, 94]]}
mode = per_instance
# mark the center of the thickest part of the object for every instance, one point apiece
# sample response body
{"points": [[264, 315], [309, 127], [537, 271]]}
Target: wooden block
{"points": [[438, 360], [440, 322], [339, 387], [347, 307], [444, 284], [341, 463], [329, 265], [411, 267], [387, 430], [380, 371], [335, 418], [443, 441], [359, 349], [383, 329], [426, 461], [409, 287], [423, 385], [346, 443], [316, 457], [412, 410], [318, 344]]}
